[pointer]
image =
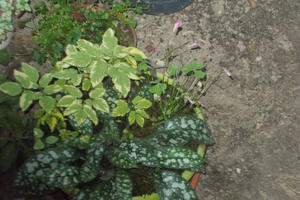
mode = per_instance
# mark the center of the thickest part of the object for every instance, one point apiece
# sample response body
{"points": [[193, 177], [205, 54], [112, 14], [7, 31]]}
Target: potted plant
{"points": [[64, 22], [8, 8], [102, 133]]}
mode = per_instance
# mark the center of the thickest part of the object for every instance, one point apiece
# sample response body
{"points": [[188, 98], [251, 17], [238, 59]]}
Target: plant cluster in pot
{"points": [[64, 22], [107, 127], [9, 8]]}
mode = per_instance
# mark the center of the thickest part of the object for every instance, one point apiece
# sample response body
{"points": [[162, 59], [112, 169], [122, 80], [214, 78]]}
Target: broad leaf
{"points": [[65, 74], [51, 139], [47, 103], [25, 80], [179, 130], [98, 71], [121, 159], [26, 99], [90, 113], [45, 80], [38, 133], [76, 106], [121, 73], [31, 72], [124, 185], [66, 101], [74, 91], [100, 104], [121, 109], [80, 116], [141, 103], [97, 93], [136, 52], [11, 88], [89, 48], [85, 128], [178, 157], [169, 185], [52, 89], [86, 84], [78, 59], [109, 42], [63, 176]]}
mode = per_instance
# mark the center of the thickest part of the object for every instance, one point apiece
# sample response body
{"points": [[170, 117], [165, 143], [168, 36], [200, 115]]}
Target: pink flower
{"points": [[176, 27], [190, 100], [194, 45], [151, 48]]}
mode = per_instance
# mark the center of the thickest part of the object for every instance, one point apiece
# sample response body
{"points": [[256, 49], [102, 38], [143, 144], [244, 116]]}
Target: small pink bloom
{"points": [[151, 48], [191, 101], [194, 45], [176, 27]]}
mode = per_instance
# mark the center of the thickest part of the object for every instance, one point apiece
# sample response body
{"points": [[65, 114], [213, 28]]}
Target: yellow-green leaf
{"points": [[88, 47], [51, 139], [97, 93], [45, 80], [25, 80], [121, 109], [141, 103], [80, 117], [52, 89], [31, 72], [51, 122], [74, 91], [98, 71], [66, 101], [11, 88], [136, 52], [26, 99], [47, 103], [131, 117], [100, 104], [75, 107], [91, 114]]}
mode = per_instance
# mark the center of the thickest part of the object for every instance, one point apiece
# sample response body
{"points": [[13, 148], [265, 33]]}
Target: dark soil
{"points": [[255, 116]]}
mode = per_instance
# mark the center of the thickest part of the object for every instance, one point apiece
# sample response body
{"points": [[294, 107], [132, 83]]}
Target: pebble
{"points": [[238, 170]]}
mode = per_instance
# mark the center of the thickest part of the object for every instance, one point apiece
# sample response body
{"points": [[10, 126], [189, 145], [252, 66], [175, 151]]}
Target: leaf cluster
{"points": [[65, 22]]}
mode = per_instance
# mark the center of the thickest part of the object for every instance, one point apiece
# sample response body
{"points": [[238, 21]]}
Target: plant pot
{"points": [[4, 43], [156, 7]]}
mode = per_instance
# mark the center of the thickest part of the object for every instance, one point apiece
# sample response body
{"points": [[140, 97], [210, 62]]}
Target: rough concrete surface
{"points": [[255, 117]]}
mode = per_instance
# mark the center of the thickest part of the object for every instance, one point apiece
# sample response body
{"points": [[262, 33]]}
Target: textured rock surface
{"points": [[255, 117]]}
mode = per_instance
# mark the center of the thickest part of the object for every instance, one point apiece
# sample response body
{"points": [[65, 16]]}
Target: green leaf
{"points": [[194, 66], [38, 145], [90, 113], [26, 99], [109, 42], [121, 109], [141, 103], [158, 89], [85, 128], [179, 130], [52, 122], [132, 117], [11, 88], [36, 95], [76, 106], [71, 50], [38, 133], [120, 52], [143, 114], [86, 84], [78, 59], [140, 120], [121, 73], [136, 52], [80, 116], [200, 74], [63, 176], [124, 185], [65, 74], [31, 72], [97, 93], [47, 103], [100, 104], [25, 80], [89, 48], [45, 80], [74, 91], [51, 139], [170, 185], [121, 159], [98, 71], [52, 89], [76, 80], [173, 70], [66, 101], [178, 157]]}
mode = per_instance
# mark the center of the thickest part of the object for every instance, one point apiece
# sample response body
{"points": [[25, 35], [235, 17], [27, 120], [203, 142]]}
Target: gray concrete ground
{"points": [[255, 117]]}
